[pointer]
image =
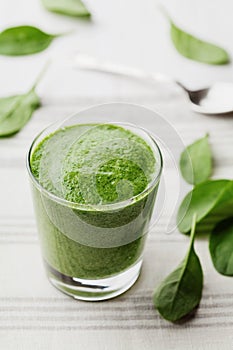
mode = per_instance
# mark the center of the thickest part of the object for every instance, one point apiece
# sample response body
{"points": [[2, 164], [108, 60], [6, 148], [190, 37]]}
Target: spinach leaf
{"points": [[196, 49], [67, 7], [181, 291], [211, 200], [221, 247], [196, 161], [15, 111], [24, 40]]}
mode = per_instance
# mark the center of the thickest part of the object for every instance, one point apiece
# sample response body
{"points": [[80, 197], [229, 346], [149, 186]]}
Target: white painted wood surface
{"points": [[33, 315]]}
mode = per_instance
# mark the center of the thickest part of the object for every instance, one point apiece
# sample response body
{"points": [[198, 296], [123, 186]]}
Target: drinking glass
{"points": [[94, 251]]}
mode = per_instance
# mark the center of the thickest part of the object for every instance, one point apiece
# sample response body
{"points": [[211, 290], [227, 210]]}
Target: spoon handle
{"points": [[86, 62]]}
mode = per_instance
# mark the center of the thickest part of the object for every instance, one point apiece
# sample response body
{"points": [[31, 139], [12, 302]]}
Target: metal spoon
{"points": [[215, 99]]}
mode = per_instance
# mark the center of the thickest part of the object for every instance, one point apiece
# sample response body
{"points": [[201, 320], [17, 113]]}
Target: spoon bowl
{"points": [[215, 99]]}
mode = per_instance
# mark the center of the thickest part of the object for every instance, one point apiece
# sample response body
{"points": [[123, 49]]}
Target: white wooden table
{"points": [[33, 315]]}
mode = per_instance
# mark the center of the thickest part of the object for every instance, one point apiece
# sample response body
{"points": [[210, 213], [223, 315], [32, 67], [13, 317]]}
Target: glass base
{"points": [[94, 290]]}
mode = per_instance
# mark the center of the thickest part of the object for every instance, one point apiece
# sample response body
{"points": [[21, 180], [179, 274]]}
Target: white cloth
{"points": [[33, 314]]}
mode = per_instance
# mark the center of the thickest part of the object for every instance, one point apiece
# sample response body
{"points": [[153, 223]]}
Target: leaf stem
{"points": [[63, 34], [193, 227], [41, 74], [164, 12]]}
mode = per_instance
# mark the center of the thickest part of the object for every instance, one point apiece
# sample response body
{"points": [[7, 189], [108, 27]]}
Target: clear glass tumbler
{"points": [[93, 250]]}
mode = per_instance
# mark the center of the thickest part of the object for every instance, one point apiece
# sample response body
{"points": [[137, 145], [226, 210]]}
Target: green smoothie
{"points": [[94, 215]]}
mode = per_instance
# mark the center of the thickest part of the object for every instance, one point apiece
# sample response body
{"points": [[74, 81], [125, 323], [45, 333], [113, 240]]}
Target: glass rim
{"points": [[96, 207]]}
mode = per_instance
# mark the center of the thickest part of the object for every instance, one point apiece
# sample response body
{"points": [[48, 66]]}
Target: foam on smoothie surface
{"points": [[93, 164]]}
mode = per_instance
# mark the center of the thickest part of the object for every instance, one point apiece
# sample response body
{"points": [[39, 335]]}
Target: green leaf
{"points": [[74, 8], [181, 291], [16, 111], [221, 247], [24, 40], [211, 200], [196, 161], [196, 49]]}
